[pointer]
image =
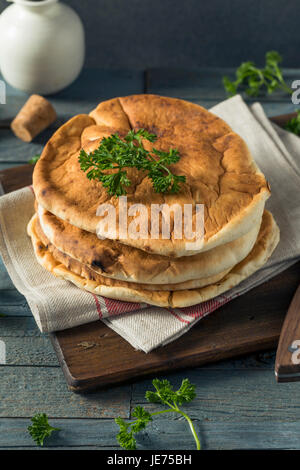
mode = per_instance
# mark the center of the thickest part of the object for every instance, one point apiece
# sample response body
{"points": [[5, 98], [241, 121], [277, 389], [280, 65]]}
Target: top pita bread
{"points": [[219, 170]]}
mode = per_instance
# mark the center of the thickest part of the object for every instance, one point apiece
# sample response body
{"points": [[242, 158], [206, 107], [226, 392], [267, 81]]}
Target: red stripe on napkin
{"points": [[115, 307], [200, 310], [182, 320], [98, 306]]}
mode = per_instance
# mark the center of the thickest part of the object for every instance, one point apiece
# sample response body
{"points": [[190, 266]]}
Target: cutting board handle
{"points": [[287, 363]]}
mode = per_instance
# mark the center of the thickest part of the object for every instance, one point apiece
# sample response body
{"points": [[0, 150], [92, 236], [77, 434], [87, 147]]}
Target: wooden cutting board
{"points": [[93, 355]]}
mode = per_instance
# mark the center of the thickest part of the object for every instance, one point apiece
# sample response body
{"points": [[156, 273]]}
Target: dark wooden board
{"points": [[287, 366], [94, 356]]}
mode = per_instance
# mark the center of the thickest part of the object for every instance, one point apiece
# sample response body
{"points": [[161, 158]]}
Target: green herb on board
{"points": [[40, 429], [293, 125], [164, 395], [34, 159], [253, 80]]}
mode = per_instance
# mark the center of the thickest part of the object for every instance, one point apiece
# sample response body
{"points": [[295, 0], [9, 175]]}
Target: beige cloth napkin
{"points": [[57, 304]]}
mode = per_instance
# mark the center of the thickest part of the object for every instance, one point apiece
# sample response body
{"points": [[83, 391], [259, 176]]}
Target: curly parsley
{"points": [[116, 154], [164, 395], [252, 80], [40, 428], [34, 159], [293, 125]]}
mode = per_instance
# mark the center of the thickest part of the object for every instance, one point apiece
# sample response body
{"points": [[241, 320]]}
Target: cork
{"points": [[35, 116]]}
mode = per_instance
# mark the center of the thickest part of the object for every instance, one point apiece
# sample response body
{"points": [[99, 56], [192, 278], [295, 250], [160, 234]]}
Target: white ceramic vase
{"points": [[41, 45]]}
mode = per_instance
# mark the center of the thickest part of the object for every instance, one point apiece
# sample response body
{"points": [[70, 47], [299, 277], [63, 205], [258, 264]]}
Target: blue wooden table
{"points": [[239, 405]]}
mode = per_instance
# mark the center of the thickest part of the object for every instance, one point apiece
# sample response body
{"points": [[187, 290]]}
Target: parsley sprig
{"points": [[34, 159], [253, 79], [116, 154], [164, 395], [40, 428], [293, 125]]}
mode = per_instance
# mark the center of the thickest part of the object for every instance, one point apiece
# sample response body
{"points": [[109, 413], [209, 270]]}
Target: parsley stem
{"points": [[165, 168], [175, 409], [163, 411], [192, 428], [285, 88]]}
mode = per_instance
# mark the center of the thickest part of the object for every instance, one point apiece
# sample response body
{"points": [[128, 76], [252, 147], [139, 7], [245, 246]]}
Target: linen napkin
{"points": [[57, 304]]}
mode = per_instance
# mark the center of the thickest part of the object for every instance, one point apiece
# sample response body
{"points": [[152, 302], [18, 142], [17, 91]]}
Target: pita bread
{"points": [[266, 242], [220, 172], [118, 261], [85, 271]]}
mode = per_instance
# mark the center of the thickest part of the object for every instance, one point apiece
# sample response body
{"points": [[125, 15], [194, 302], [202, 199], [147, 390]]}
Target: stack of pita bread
{"points": [[239, 234]]}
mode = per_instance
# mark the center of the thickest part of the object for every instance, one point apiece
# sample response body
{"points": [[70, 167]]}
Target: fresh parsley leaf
{"points": [[230, 87], [40, 428], [116, 154], [254, 80], [186, 393], [125, 436], [34, 159], [293, 125], [164, 394]]}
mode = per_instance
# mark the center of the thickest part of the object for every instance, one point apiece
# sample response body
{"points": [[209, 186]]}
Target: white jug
{"points": [[41, 45]]}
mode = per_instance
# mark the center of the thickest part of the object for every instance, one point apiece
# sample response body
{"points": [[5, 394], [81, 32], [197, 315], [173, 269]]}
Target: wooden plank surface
{"points": [[240, 429], [31, 388], [247, 393], [162, 434], [14, 178]]}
